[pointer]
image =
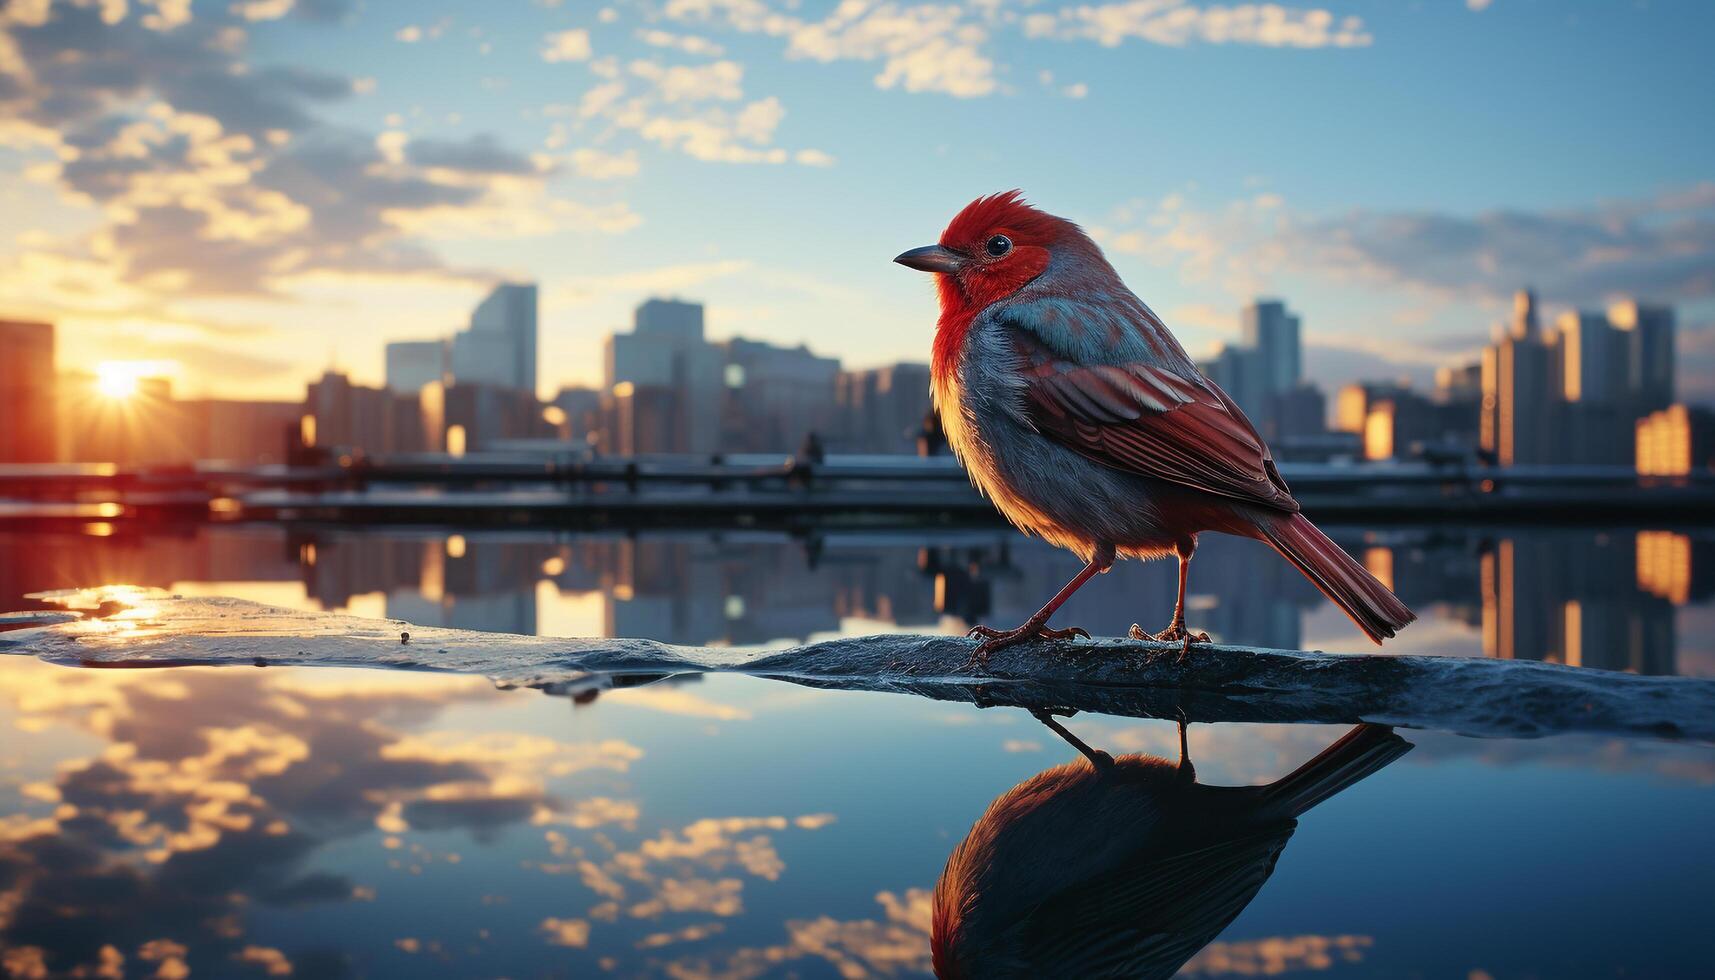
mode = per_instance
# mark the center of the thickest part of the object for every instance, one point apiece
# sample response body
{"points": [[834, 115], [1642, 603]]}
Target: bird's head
{"points": [[992, 249]]}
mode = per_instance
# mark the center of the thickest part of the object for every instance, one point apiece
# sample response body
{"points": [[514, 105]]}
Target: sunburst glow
{"points": [[118, 379]]}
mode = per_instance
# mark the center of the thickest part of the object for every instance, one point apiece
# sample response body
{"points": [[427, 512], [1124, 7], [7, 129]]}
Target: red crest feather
{"points": [[1003, 213]]}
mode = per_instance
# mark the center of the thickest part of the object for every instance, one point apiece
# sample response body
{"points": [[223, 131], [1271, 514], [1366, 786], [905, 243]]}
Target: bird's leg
{"points": [[1036, 627], [1098, 758], [1176, 631], [1186, 769]]}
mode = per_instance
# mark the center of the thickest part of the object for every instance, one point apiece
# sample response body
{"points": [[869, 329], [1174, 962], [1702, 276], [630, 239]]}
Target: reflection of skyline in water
{"points": [[1574, 595]]}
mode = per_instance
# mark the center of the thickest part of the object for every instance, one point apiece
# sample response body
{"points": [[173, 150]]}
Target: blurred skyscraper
{"points": [[1267, 328], [1517, 397], [27, 429], [666, 382], [500, 346], [881, 410], [1649, 335], [411, 364], [1264, 374]]}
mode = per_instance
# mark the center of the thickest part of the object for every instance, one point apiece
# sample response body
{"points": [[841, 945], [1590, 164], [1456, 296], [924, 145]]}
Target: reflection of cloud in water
{"points": [[213, 791], [1276, 955], [700, 868], [678, 701], [895, 945]]}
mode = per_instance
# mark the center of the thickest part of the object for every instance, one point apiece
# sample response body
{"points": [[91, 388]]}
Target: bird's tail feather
{"points": [[1377, 611], [1358, 754]]}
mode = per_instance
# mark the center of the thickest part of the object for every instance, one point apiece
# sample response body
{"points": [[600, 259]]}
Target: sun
{"points": [[117, 379]]}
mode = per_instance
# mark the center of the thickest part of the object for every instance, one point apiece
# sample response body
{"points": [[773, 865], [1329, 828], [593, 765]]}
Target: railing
{"points": [[550, 486]]}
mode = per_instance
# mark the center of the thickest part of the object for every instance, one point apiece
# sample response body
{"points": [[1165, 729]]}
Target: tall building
{"points": [[1649, 336], [1265, 375], [881, 410], [1593, 359], [776, 396], [339, 414], [500, 346], [411, 364], [1272, 332], [668, 382], [27, 392], [1676, 441], [1518, 398]]}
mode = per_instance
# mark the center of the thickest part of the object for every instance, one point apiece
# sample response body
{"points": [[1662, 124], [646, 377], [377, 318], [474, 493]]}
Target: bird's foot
{"points": [[1175, 633], [1033, 629]]}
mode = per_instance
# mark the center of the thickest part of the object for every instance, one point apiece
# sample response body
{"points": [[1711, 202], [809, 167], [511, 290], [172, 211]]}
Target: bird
{"points": [[1123, 867], [1078, 414]]}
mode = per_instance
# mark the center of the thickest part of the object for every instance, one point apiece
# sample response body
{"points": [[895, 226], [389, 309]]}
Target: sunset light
{"points": [[878, 488], [118, 379]]}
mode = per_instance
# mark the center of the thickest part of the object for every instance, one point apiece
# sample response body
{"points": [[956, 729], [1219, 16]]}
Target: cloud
{"points": [[573, 45], [922, 48], [211, 176], [481, 154], [602, 165], [945, 47], [1660, 248], [688, 43], [1173, 23], [697, 110]]}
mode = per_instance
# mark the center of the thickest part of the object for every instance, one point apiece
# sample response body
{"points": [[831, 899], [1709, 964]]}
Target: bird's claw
{"points": [[1172, 634], [994, 639]]}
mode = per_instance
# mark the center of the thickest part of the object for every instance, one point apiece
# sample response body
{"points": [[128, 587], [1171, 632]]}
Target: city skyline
{"points": [[381, 167]]}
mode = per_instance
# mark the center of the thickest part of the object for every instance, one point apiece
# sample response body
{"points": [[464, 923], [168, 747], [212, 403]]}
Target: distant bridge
{"points": [[573, 489]]}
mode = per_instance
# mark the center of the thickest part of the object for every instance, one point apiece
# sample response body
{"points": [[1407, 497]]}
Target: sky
{"points": [[241, 194]]}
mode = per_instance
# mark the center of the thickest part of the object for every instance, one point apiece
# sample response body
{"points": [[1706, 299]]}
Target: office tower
{"points": [[411, 364], [668, 383], [1264, 375], [1593, 359], [1676, 441], [1272, 332], [776, 396], [881, 410], [354, 417], [1517, 423], [28, 433], [670, 318], [1649, 337], [500, 347]]}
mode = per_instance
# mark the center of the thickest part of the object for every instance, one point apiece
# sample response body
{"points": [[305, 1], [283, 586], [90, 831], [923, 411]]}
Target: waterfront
{"points": [[327, 822]]}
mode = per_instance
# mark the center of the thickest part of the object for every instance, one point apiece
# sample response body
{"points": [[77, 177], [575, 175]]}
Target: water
{"points": [[371, 823]]}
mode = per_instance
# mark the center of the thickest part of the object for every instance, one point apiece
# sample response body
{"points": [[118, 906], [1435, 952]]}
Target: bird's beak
{"points": [[930, 258]]}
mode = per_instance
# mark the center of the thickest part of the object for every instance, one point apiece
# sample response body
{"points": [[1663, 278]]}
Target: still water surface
{"points": [[328, 822]]}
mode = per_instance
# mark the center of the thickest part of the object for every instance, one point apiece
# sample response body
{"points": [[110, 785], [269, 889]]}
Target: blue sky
{"points": [[240, 192]]}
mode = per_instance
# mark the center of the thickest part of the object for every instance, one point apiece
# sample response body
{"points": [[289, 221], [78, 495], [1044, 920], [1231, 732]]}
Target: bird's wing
{"points": [[1149, 420], [1148, 916]]}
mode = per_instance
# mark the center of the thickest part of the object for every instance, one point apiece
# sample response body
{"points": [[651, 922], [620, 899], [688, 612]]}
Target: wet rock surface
{"points": [[1213, 683]]}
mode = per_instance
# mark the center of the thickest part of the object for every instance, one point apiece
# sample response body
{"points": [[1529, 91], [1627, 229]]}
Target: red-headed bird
{"points": [[1076, 411]]}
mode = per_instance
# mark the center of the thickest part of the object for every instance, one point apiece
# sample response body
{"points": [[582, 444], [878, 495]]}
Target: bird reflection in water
{"points": [[1124, 867]]}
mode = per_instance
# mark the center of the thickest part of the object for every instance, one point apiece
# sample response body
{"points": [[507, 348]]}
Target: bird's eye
{"points": [[998, 246]]}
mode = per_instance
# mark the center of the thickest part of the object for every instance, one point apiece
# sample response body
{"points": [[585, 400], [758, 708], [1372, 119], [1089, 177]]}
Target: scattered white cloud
{"points": [[572, 45], [697, 110], [602, 165], [1478, 5], [1172, 23], [692, 44], [409, 34]]}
